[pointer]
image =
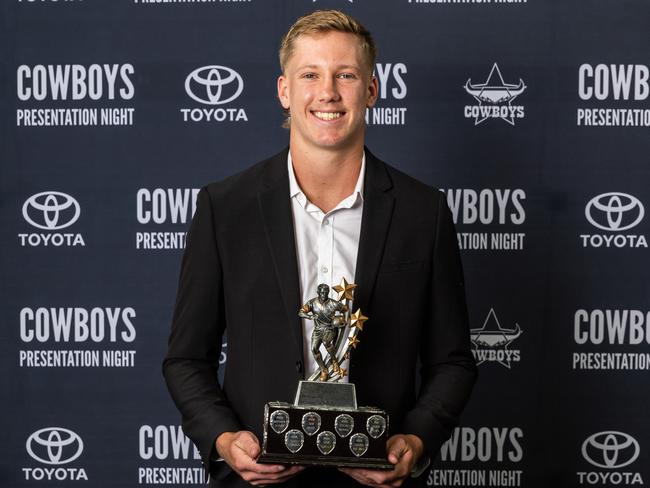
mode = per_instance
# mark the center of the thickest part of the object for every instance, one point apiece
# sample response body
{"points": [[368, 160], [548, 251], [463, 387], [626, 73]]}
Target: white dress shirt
{"points": [[326, 247]]}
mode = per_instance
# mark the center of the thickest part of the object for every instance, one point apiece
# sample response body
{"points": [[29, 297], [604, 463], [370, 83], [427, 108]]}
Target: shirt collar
{"points": [[296, 191]]}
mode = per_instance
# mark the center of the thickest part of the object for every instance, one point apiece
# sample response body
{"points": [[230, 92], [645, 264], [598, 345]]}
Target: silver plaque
{"points": [[376, 426], [311, 423], [344, 425], [326, 441], [293, 440], [279, 421], [359, 444]]}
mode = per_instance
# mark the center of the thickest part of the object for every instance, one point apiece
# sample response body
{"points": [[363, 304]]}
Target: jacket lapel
{"points": [[275, 206], [375, 221]]}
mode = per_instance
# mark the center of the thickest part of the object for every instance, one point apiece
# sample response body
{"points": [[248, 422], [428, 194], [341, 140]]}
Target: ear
{"points": [[373, 91], [283, 91]]}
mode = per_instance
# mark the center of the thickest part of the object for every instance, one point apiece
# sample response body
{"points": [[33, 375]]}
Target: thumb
{"points": [[248, 443], [396, 448]]}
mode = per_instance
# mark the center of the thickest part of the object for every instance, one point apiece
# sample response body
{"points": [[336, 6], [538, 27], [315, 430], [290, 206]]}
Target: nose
{"points": [[329, 90]]}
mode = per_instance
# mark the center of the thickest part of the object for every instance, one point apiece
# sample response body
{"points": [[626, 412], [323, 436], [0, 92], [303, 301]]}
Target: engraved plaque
{"points": [[294, 440], [359, 444], [279, 421], [326, 441], [344, 425], [376, 426], [311, 423]]}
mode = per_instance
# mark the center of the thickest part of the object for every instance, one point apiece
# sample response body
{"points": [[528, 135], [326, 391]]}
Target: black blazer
{"points": [[239, 273]]}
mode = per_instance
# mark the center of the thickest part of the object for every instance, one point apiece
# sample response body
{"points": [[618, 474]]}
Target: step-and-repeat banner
{"points": [[533, 116]]}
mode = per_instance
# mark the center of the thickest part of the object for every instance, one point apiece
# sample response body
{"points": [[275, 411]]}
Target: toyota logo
{"points": [[51, 210], [213, 85], [54, 445], [610, 449], [614, 211]]}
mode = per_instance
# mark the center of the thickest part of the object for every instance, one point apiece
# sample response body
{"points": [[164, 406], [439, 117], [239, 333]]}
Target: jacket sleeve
{"points": [[448, 369], [191, 364]]}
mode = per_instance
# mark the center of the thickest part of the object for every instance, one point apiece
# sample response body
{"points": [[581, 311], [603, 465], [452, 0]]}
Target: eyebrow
{"points": [[344, 66]]}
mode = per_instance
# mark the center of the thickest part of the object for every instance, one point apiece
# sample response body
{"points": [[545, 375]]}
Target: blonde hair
{"points": [[322, 21], [319, 22]]}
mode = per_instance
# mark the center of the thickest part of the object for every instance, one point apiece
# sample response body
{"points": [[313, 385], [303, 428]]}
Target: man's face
{"points": [[327, 87]]}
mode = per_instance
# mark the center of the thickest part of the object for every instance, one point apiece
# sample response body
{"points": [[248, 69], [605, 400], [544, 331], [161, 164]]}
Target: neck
{"points": [[326, 177]]}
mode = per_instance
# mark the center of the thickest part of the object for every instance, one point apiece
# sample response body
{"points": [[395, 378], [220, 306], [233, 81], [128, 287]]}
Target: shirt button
{"points": [[326, 222], [324, 269]]}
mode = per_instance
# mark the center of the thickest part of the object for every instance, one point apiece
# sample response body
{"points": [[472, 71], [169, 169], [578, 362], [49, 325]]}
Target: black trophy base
{"points": [[324, 427], [342, 462]]}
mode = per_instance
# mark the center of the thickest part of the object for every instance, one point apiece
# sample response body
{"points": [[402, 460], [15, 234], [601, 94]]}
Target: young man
{"points": [[324, 209]]}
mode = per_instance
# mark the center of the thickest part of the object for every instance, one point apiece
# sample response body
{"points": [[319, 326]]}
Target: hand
{"points": [[403, 451], [240, 451]]}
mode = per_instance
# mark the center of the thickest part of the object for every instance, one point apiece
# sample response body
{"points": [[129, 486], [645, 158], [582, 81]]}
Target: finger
{"points": [[382, 477], [353, 473], [287, 473], [402, 468], [368, 477], [257, 479], [244, 464]]}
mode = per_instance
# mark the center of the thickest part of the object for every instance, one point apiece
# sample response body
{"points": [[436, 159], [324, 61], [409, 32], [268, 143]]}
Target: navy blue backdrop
{"points": [[533, 117]]}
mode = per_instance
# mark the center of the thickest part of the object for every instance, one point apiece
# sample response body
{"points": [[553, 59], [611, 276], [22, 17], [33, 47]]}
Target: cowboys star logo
{"points": [[491, 342], [494, 98]]}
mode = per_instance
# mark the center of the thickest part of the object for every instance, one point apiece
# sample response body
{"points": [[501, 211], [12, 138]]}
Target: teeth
{"points": [[328, 115]]}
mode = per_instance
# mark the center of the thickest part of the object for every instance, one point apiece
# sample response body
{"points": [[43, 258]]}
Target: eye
{"points": [[309, 76], [347, 76]]}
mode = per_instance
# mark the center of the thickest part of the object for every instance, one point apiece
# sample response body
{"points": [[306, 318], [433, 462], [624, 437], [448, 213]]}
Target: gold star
{"points": [[345, 290], [343, 372], [357, 319], [353, 341]]}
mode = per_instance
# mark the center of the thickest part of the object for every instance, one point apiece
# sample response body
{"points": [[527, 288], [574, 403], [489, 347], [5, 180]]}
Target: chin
{"points": [[331, 142], [334, 141]]}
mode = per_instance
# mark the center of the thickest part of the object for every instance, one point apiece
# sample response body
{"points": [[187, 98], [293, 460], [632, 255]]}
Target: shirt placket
{"points": [[325, 250]]}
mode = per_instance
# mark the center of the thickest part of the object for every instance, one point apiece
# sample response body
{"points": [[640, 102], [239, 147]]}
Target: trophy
{"points": [[324, 426]]}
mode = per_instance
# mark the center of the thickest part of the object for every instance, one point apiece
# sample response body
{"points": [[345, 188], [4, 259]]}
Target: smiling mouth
{"points": [[328, 115]]}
